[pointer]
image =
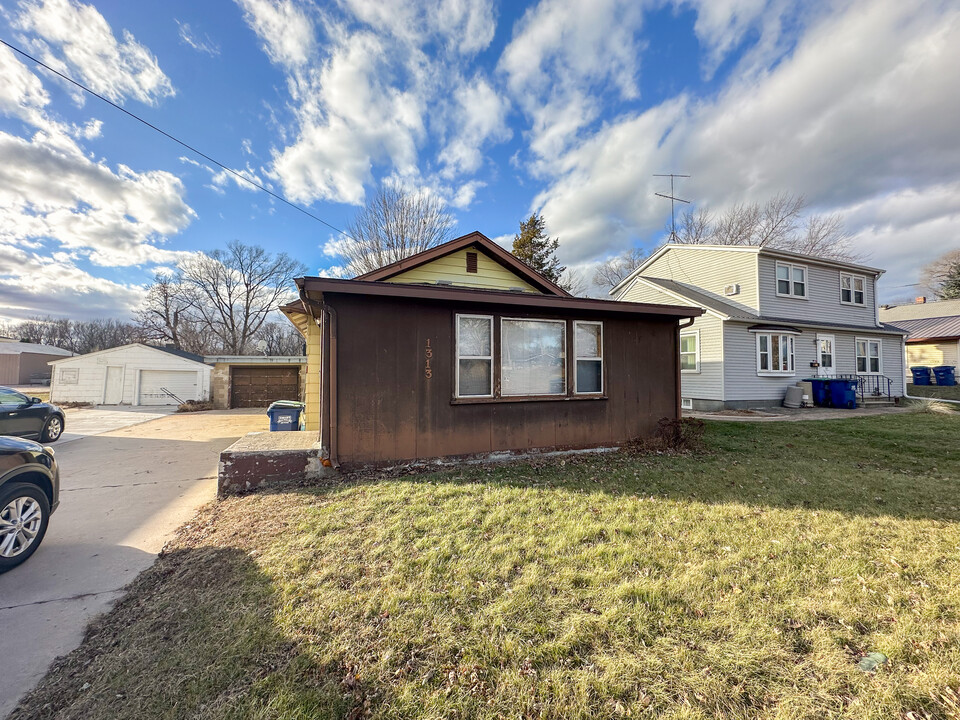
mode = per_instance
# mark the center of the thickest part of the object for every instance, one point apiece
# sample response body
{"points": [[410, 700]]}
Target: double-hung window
{"points": [[852, 289], [474, 356], [775, 354], [588, 345], [533, 357], [791, 280], [869, 358], [690, 352]]}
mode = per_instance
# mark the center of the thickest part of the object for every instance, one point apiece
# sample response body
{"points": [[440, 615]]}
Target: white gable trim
{"points": [[124, 347]]}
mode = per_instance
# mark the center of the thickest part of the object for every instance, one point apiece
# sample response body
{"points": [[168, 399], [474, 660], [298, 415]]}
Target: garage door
{"points": [[156, 386], [260, 386]]}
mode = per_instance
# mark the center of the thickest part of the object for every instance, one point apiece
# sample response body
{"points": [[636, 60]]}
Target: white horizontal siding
{"points": [[823, 296], [741, 381], [132, 359], [711, 270]]}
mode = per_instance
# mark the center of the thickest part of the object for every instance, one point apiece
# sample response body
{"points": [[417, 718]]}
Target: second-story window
{"points": [[851, 289], [791, 280]]}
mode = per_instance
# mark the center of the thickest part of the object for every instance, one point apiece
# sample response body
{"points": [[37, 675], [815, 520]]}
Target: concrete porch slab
{"points": [[265, 457]]}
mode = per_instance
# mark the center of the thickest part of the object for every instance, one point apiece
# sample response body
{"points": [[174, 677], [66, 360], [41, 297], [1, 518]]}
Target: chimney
{"points": [[920, 300]]}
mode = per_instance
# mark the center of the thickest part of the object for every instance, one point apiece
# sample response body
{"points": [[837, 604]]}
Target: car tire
{"points": [[24, 515], [52, 430]]}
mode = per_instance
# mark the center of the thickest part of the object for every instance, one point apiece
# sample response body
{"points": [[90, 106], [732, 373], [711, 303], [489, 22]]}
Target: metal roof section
{"points": [[935, 328], [18, 348], [920, 310]]}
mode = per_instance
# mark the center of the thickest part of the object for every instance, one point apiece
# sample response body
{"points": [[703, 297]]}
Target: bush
{"points": [[195, 406], [671, 436]]}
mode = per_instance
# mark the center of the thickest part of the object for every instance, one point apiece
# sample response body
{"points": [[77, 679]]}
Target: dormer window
{"points": [[791, 280], [851, 289]]}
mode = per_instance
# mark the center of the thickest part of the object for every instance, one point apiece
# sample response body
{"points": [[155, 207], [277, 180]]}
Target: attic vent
{"points": [[471, 262], [732, 289]]}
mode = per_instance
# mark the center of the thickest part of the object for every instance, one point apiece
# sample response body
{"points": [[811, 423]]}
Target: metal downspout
{"points": [[680, 326]]}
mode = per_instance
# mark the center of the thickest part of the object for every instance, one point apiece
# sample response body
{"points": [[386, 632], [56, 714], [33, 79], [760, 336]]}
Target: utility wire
{"points": [[175, 139]]}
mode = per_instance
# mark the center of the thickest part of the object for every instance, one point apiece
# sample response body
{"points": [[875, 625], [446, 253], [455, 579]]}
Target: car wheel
{"points": [[24, 514], [52, 430]]}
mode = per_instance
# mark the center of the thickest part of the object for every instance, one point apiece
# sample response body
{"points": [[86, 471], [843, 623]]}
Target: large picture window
{"points": [[474, 356], [588, 344], [533, 357], [775, 354], [791, 280], [851, 289], [869, 360]]}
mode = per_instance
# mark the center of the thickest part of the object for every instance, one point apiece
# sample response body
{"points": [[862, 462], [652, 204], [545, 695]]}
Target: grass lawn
{"points": [[944, 392], [744, 582]]}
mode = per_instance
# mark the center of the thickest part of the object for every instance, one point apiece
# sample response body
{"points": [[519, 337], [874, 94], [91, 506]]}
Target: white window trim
{"points": [[577, 358], [776, 373], [806, 280], [853, 277], [460, 357], [566, 357], [686, 403], [856, 357], [695, 333]]}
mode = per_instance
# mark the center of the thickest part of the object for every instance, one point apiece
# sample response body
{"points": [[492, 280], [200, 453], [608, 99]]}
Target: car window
{"points": [[11, 397]]}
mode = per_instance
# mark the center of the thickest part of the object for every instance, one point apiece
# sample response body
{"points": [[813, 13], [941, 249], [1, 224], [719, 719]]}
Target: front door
{"points": [[113, 392], [826, 356]]}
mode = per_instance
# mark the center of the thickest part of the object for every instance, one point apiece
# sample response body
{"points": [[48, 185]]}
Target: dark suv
{"points": [[29, 417], [29, 493]]}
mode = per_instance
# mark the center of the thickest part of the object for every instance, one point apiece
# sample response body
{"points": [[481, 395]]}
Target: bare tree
{"points": [[695, 227], [281, 338], [611, 273], [231, 293], [574, 281], [394, 224], [103, 334], [824, 236], [942, 276], [164, 316], [736, 226]]}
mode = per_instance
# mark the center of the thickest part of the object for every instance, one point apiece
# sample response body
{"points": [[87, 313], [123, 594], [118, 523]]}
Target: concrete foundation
{"points": [[261, 458]]}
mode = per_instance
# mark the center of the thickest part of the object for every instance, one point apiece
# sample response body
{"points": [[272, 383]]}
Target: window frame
{"points": [[566, 358], [853, 289], [792, 355], [458, 357], [792, 267], [577, 359], [867, 357], [696, 352]]}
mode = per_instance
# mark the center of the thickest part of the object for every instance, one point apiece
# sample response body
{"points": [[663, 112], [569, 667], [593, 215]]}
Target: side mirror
{"points": [[35, 401]]}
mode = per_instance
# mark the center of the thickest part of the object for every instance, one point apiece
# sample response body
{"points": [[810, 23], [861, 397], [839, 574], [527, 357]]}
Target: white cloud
{"points": [[76, 39], [285, 29], [864, 107], [200, 42], [479, 117]]}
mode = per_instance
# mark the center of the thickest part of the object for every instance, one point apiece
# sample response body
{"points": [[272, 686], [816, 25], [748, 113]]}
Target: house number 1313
{"points": [[428, 354]]}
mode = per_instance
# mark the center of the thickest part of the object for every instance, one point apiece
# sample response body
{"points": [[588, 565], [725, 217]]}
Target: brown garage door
{"points": [[260, 386]]}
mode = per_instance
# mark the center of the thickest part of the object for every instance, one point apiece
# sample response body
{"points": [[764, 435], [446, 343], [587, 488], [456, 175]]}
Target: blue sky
{"points": [[561, 107]]}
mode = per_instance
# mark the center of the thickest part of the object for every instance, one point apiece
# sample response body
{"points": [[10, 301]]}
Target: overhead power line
{"points": [[177, 140]]}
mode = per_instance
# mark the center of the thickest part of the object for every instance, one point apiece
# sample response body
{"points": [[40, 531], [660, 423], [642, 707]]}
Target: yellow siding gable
{"points": [[490, 274]]}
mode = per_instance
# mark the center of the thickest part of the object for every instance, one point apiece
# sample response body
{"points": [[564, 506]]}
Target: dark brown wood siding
{"points": [[258, 386], [389, 408]]}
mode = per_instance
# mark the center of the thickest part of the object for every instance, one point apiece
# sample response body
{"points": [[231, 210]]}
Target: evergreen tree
{"points": [[536, 249]]}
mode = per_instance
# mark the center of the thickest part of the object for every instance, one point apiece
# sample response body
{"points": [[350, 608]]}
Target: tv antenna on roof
{"points": [[672, 199]]}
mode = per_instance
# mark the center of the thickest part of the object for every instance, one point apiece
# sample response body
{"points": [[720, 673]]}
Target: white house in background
{"points": [[771, 318], [131, 375]]}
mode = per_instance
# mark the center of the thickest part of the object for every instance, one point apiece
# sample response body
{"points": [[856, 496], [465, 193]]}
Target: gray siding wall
{"points": [[711, 270], [708, 383], [823, 296], [741, 381]]}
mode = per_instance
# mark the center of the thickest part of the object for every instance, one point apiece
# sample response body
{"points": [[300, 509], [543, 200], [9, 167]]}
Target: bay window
{"points": [[775, 354]]}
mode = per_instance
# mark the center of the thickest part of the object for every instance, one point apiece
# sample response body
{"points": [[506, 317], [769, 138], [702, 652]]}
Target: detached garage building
{"points": [[131, 375], [26, 363], [254, 381]]}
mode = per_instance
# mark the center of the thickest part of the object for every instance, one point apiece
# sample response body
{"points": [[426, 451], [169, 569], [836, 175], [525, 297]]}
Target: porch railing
{"points": [[876, 386]]}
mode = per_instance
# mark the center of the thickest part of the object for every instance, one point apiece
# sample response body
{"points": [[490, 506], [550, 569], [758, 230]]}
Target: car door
{"points": [[15, 418]]}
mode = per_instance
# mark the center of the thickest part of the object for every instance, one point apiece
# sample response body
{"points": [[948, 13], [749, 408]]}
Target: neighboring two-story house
{"points": [[771, 319]]}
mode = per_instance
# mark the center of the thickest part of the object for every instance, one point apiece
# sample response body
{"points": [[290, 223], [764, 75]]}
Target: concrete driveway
{"points": [[84, 422], [123, 492]]}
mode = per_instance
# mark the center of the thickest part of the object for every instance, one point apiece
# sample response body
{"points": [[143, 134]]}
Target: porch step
{"points": [[876, 402]]}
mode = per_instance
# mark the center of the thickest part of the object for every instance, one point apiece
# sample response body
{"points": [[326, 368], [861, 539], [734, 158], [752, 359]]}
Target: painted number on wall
{"points": [[427, 354]]}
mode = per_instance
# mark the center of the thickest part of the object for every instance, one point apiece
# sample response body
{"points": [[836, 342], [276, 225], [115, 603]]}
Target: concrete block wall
{"points": [[220, 386]]}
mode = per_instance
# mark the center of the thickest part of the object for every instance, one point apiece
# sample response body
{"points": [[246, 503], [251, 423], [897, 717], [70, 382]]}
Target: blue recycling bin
{"points": [[843, 393], [921, 374], [285, 415], [945, 374], [821, 392]]}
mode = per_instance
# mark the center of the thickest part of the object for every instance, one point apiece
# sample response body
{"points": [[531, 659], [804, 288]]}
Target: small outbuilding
{"points": [[934, 329], [24, 363], [464, 350], [252, 381], [133, 374]]}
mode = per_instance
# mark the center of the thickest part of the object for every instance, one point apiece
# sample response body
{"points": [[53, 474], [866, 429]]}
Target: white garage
{"points": [[131, 375]]}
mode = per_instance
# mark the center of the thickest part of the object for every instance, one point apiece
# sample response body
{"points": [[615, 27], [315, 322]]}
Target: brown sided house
{"points": [[464, 350]]}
